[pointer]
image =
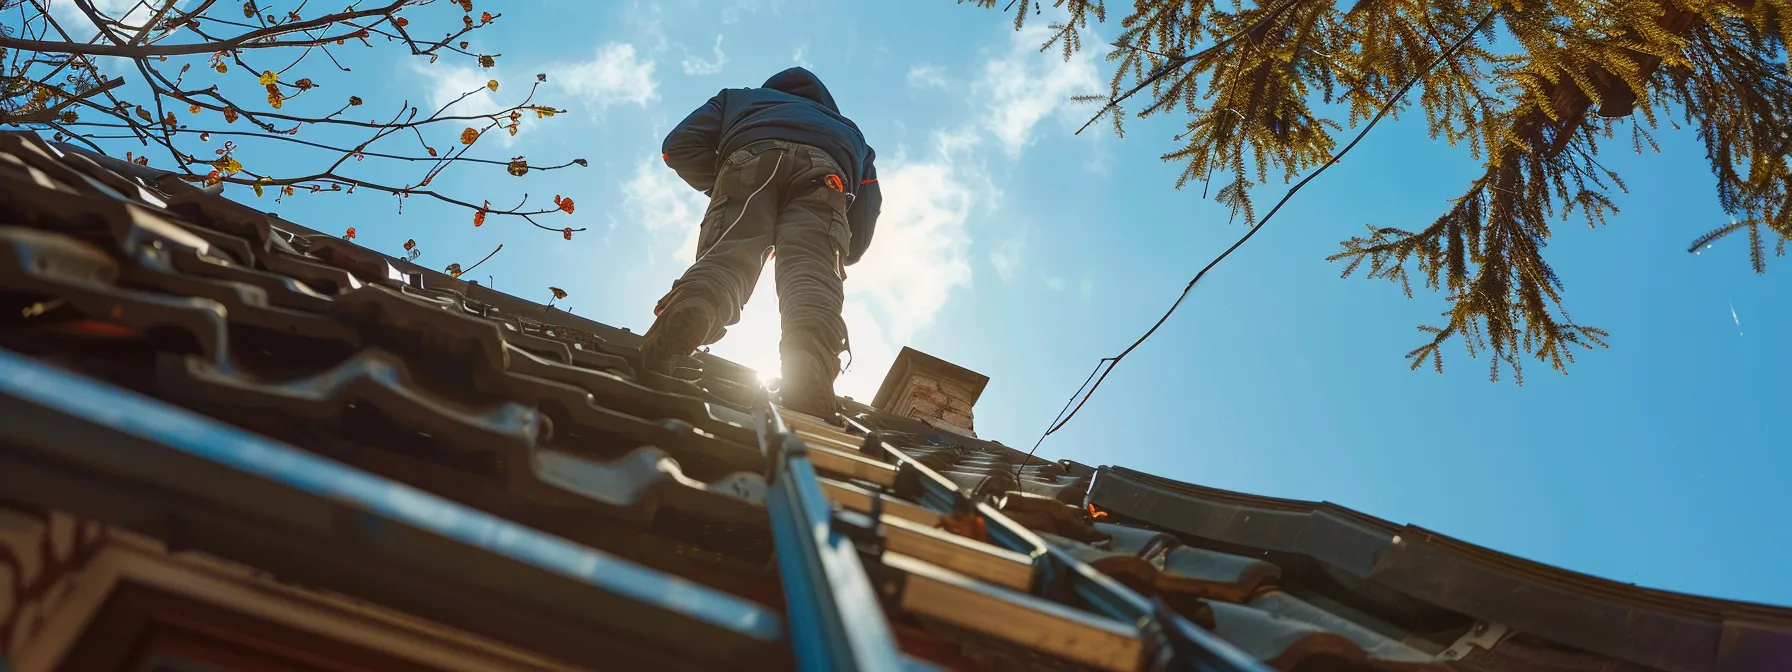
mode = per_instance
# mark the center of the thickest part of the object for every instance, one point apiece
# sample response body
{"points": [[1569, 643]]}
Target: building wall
{"points": [[928, 396]]}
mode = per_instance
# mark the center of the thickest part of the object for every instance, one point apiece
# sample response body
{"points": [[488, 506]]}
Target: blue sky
{"points": [[1024, 252]]}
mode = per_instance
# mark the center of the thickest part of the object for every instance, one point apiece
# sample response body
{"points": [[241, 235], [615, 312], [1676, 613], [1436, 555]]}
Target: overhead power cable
{"points": [[1106, 365]]}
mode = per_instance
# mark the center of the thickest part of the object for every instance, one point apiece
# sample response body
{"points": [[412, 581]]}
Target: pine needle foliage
{"points": [[1566, 77]]}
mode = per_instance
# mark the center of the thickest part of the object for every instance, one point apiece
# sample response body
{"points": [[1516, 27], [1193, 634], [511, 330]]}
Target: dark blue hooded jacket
{"points": [[793, 106]]}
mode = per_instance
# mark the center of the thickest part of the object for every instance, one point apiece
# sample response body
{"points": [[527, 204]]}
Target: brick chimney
{"points": [[931, 390]]}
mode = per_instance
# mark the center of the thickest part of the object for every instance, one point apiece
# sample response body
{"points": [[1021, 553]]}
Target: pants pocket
{"points": [[838, 229], [714, 221]]}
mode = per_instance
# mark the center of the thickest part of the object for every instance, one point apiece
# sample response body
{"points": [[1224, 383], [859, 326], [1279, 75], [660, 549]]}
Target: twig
{"points": [[481, 261]]}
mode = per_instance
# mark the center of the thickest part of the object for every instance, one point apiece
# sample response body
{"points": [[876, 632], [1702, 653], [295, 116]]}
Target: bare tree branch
{"points": [[52, 82], [251, 40]]}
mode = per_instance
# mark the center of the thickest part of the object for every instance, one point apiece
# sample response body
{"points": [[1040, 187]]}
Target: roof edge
{"points": [[1657, 628]]}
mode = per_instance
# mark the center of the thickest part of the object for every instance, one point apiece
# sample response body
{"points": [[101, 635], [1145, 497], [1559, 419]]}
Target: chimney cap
{"points": [[911, 361]]}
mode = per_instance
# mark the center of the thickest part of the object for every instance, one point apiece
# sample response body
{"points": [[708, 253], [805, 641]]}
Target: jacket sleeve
{"points": [[690, 149], [862, 216]]}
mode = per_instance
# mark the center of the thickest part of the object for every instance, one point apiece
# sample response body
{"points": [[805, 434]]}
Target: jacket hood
{"points": [[800, 82]]}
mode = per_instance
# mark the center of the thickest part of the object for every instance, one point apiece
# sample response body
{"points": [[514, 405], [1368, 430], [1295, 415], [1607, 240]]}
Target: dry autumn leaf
{"points": [[229, 115], [485, 17], [350, 235], [468, 136], [567, 232], [565, 204], [354, 100], [558, 292], [410, 244], [493, 85], [453, 270], [518, 167], [193, 109], [401, 22], [487, 61]]}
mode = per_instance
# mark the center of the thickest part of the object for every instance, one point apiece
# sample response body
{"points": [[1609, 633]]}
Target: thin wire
{"points": [[1061, 419]]}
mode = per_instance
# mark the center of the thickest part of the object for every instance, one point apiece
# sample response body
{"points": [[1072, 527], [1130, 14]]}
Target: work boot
{"points": [[675, 335], [808, 387]]}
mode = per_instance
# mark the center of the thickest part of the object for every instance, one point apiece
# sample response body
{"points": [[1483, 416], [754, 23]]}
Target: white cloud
{"points": [[131, 13], [951, 143], [697, 66], [447, 83], [1025, 86], [614, 75], [462, 90], [647, 25], [927, 77], [666, 208], [732, 13], [1006, 257], [798, 56]]}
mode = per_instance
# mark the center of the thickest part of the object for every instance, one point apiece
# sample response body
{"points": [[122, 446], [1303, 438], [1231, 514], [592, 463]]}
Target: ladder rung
{"points": [[851, 465], [827, 441], [859, 499], [942, 595], [972, 558]]}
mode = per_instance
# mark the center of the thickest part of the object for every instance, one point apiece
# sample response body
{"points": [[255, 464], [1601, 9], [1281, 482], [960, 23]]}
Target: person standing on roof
{"points": [[784, 170]]}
